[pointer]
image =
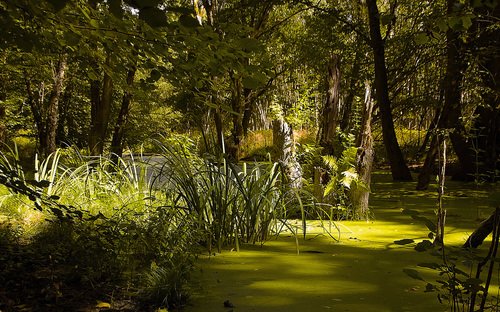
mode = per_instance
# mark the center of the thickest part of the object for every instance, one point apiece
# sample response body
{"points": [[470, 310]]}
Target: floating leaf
{"points": [[423, 246], [430, 225], [405, 241], [410, 212], [413, 274], [429, 287], [433, 266]]}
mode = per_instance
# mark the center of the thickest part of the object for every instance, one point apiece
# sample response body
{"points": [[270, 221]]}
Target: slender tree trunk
{"points": [[248, 112], [121, 122], [219, 129], [53, 106], [346, 122], [364, 160], [284, 146], [486, 128], [101, 110], [451, 112], [36, 107], [237, 104], [64, 108], [330, 118], [399, 169]]}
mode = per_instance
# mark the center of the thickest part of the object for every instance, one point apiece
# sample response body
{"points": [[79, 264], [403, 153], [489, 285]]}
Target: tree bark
{"points": [[284, 146], [346, 123], [483, 230], [237, 104], [121, 122], [100, 112], [64, 108], [364, 160], [330, 113], [452, 108], [399, 169], [53, 106], [36, 107]]}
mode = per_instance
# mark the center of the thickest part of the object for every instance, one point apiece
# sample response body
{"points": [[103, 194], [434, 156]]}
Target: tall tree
{"points": [[100, 112], [331, 109], [121, 122], [399, 169]]}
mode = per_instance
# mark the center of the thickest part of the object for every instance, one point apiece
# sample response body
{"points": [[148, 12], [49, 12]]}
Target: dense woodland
{"points": [[138, 134]]}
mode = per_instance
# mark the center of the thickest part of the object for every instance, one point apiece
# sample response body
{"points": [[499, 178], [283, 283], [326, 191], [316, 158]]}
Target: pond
{"points": [[361, 272]]}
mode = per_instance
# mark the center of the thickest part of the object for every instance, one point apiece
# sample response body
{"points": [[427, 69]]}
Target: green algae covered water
{"points": [[361, 272]]}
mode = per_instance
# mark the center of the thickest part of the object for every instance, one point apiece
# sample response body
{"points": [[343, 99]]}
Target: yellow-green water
{"points": [[362, 272]]}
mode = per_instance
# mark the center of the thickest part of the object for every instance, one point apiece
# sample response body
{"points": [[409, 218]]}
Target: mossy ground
{"points": [[362, 272]]}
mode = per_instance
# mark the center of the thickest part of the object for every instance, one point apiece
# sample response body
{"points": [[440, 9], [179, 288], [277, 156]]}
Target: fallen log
{"points": [[483, 230]]}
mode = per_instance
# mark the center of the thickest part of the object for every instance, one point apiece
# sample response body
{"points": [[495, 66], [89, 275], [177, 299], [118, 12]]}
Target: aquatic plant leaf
{"points": [[431, 265], [413, 274], [404, 241], [424, 245]]}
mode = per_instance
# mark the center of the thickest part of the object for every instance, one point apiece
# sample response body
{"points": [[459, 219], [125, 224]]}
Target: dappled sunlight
{"points": [[361, 272]]}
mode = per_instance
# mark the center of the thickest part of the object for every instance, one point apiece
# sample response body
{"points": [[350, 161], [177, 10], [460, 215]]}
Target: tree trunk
{"points": [[346, 123], [64, 108], [36, 107], [237, 104], [364, 160], [219, 129], [53, 106], [483, 230], [284, 146], [451, 112], [486, 128], [330, 114], [101, 109], [121, 122], [399, 169]]}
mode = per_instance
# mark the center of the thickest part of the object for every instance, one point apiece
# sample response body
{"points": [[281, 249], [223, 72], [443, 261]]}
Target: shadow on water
{"points": [[362, 272]]}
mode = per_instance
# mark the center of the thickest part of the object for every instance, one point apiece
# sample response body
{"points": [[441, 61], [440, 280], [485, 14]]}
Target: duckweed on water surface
{"points": [[362, 272]]}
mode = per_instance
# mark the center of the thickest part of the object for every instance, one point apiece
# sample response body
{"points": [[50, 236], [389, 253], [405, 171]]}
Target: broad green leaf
{"points": [[442, 25], [413, 274], [405, 241], [467, 21], [421, 38]]}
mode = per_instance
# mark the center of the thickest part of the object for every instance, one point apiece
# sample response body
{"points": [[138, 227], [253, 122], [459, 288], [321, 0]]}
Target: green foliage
{"points": [[231, 204]]}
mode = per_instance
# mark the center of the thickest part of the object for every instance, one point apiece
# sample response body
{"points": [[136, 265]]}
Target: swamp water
{"points": [[361, 272]]}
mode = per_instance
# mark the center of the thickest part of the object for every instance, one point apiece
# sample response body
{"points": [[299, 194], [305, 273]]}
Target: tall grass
{"points": [[232, 203], [145, 219]]}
